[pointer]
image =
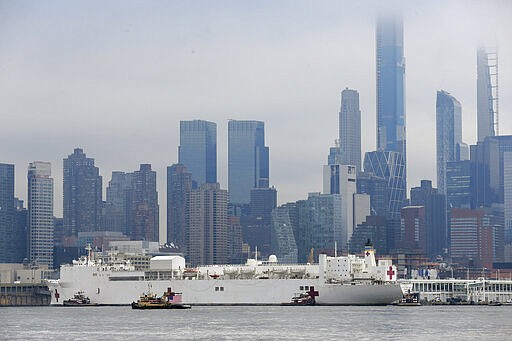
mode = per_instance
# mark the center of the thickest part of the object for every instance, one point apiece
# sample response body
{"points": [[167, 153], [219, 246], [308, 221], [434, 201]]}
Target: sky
{"points": [[116, 77]]}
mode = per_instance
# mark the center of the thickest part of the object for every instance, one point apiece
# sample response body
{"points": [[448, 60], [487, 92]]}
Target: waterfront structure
{"points": [[82, 194], [198, 150], [207, 225], [248, 160], [8, 231], [390, 85], [350, 129], [486, 100], [435, 234], [40, 213], [459, 184], [179, 185], [448, 135]]}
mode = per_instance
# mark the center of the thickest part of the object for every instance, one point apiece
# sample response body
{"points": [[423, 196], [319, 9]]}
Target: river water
{"points": [[263, 323]]}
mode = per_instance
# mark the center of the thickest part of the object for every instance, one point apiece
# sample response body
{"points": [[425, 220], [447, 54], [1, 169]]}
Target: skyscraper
{"points": [[145, 210], [390, 166], [207, 225], [117, 210], [198, 150], [82, 199], [448, 135], [282, 240], [390, 85], [435, 221], [248, 159], [459, 184], [341, 180], [8, 252], [40, 213], [350, 129], [179, 185], [484, 96]]}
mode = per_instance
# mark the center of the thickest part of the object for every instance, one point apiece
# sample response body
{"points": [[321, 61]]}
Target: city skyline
{"points": [[128, 117]]}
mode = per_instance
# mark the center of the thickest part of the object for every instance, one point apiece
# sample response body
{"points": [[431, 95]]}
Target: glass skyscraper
{"points": [[390, 85], [484, 96], [248, 165], [198, 150], [7, 215], [448, 135]]}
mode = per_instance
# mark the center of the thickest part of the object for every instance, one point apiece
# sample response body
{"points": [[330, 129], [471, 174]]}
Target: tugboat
{"points": [[79, 300], [169, 300], [304, 298], [410, 299]]}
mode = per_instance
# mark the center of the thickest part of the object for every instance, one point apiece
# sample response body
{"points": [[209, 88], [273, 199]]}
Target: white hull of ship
{"points": [[227, 291]]}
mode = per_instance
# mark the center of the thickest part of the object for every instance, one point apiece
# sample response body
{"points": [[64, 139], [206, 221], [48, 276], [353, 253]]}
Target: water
{"points": [[263, 323]]}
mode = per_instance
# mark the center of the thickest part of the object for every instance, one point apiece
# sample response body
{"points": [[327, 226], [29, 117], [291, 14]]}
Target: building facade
{"points": [[390, 166], [8, 252], [283, 243], [436, 234], [179, 185], [471, 238], [145, 209], [459, 184], [248, 159], [484, 96], [82, 194], [341, 180], [350, 129], [198, 150], [448, 135], [207, 225], [40, 213]]}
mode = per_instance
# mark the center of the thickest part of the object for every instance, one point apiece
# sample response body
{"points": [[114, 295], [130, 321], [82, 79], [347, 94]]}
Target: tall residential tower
{"points": [[40, 213], [82, 199]]}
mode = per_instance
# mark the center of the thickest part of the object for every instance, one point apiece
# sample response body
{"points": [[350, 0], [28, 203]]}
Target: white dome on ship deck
{"points": [[272, 259]]}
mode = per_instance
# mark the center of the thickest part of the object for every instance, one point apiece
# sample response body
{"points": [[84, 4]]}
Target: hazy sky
{"points": [[116, 77]]}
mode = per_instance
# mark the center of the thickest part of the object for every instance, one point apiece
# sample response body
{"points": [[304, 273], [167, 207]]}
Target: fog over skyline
{"points": [[116, 77]]}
